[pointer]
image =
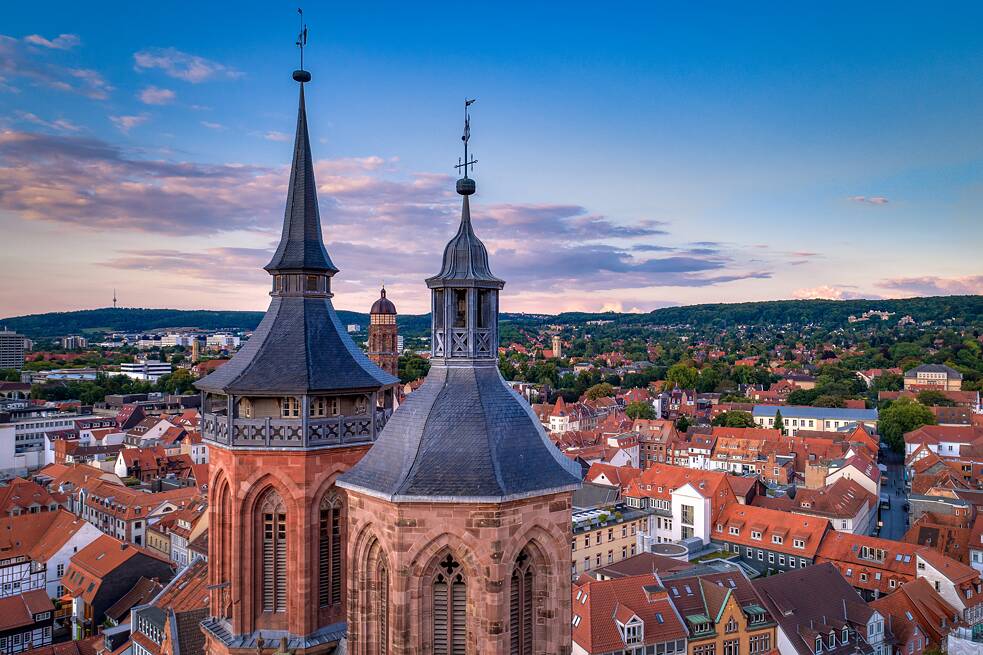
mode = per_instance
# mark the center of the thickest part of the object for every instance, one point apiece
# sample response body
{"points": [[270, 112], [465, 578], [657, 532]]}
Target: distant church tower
{"points": [[459, 516], [298, 405], [383, 334]]}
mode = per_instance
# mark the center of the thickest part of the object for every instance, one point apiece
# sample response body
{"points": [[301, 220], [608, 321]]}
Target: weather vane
{"points": [[463, 165], [302, 75]]}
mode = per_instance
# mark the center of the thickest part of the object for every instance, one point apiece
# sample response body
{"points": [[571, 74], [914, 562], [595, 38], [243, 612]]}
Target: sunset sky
{"points": [[629, 158]]}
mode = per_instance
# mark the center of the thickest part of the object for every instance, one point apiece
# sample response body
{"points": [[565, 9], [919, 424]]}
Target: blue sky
{"points": [[630, 157]]}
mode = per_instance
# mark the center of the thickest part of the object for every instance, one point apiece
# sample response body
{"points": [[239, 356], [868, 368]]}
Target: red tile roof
{"points": [[868, 562], [770, 523], [598, 605], [18, 611], [37, 536]]}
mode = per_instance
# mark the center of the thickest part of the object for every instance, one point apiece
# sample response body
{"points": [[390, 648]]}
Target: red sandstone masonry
{"points": [[485, 539], [302, 478]]}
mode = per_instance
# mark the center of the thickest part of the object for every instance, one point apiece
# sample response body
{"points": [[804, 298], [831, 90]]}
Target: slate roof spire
{"points": [[301, 244]]}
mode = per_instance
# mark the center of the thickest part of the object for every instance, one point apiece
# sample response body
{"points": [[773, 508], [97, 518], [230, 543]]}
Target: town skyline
{"points": [[723, 166]]}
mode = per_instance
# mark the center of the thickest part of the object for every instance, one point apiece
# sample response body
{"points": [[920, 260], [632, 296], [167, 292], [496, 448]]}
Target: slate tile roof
{"points": [[803, 616], [463, 435]]}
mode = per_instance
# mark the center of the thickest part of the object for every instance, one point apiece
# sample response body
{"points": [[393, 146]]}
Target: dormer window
{"points": [[735, 531], [845, 637], [633, 631], [819, 645], [799, 543], [776, 539], [756, 535], [832, 639]]}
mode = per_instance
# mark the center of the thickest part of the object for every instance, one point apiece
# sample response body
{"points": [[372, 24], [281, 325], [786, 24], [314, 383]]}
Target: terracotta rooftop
{"points": [[870, 562], [789, 528], [37, 536], [18, 611], [598, 605]]}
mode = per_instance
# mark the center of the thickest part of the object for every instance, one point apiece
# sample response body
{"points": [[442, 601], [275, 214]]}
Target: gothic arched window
{"points": [[273, 513], [329, 551], [449, 595], [521, 605]]}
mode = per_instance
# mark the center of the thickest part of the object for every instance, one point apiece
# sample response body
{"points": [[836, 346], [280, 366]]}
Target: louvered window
{"points": [[274, 553], [329, 552], [449, 609], [521, 606], [382, 609]]}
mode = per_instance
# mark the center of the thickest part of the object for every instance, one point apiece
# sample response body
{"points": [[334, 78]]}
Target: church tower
{"points": [[459, 516], [384, 335], [297, 406]]}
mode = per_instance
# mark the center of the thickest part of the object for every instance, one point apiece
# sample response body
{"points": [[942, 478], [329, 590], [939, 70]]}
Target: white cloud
{"points": [[59, 124], [273, 135], [154, 95], [125, 123], [212, 126], [60, 42], [182, 65]]}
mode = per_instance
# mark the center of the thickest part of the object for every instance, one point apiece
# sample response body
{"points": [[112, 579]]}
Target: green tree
{"points": [[828, 401], [887, 382], [9, 375], [601, 390], [933, 397], [682, 424], [734, 419], [779, 423], [412, 367], [640, 409], [904, 415], [682, 376], [180, 381]]}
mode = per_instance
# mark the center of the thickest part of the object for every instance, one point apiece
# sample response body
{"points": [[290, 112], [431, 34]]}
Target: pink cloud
{"points": [[827, 292], [870, 200], [153, 95], [931, 285]]}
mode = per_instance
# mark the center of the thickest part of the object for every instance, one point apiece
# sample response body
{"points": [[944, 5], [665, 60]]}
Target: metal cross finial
{"points": [[466, 137], [301, 37]]}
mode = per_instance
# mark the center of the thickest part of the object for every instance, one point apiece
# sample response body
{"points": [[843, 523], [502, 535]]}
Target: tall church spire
{"points": [[301, 245]]}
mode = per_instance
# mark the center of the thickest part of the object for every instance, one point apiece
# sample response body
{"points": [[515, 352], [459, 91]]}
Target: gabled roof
{"points": [[789, 527], [37, 536], [142, 591], [831, 602], [599, 604], [21, 493], [18, 611], [846, 552], [619, 476], [916, 602]]}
